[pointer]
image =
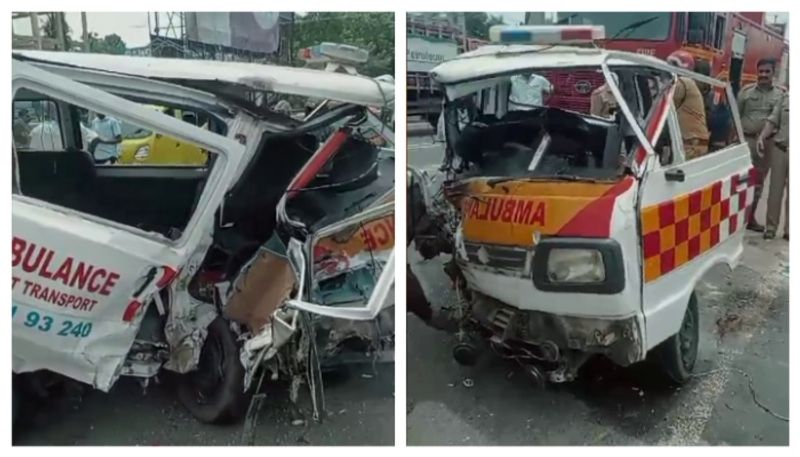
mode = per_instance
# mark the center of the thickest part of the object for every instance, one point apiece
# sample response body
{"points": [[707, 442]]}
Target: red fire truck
{"points": [[731, 42]]}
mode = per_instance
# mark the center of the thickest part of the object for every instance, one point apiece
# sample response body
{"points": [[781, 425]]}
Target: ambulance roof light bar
{"points": [[334, 52], [335, 56], [547, 34]]}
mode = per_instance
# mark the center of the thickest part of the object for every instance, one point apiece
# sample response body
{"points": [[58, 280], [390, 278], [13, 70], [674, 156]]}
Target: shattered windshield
{"points": [[518, 127]]}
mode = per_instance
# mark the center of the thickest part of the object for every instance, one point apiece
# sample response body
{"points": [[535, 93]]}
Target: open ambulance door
{"points": [[81, 282]]}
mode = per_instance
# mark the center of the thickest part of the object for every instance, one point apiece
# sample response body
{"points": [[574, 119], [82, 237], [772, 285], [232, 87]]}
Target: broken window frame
{"points": [[651, 161], [378, 301], [30, 78], [499, 85]]}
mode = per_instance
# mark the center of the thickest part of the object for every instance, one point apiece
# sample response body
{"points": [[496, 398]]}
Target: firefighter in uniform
{"points": [[756, 102], [778, 166], [603, 103], [690, 107]]}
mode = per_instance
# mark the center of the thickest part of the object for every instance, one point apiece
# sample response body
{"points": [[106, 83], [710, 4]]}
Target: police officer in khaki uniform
{"points": [[690, 108], [603, 103], [756, 102], [778, 166]]}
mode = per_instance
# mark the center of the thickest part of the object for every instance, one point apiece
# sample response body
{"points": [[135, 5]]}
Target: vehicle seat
{"points": [[61, 177]]}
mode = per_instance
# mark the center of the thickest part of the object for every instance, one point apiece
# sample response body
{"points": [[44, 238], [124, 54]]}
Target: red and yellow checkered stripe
{"points": [[675, 232]]}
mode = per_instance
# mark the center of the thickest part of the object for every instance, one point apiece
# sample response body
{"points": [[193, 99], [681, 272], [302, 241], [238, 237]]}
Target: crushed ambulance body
{"points": [[573, 235], [273, 257]]}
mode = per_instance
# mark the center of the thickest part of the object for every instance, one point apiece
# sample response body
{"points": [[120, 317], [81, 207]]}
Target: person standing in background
{"points": [[603, 103], [690, 107], [756, 102], [529, 92], [106, 145], [22, 132], [778, 121]]}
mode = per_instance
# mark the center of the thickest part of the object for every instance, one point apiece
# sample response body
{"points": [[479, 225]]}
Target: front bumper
{"points": [[550, 337]]}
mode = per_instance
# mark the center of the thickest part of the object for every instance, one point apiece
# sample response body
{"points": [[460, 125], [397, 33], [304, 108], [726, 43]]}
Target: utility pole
{"points": [[535, 18], [85, 33], [37, 36], [62, 40]]}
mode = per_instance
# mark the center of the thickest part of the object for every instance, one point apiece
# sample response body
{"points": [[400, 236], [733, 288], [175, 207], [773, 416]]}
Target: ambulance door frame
{"points": [[229, 152], [679, 160], [302, 262]]}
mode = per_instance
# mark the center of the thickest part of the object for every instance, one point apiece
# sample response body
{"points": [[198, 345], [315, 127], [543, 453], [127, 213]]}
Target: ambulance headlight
{"points": [[576, 266]]}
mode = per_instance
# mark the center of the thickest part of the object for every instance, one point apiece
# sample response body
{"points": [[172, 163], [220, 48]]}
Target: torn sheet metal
{"points": [[263, 346], [186, 332], [356, 246], [188, 320], [333, 332], [261, 287]]}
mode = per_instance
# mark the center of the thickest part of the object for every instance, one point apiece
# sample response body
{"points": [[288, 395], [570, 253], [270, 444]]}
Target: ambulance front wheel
{"points": [[213, 393], [678, 354]]}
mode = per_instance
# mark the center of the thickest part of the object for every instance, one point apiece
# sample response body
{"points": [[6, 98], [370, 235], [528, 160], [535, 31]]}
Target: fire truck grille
{"points": [[573, 89]]}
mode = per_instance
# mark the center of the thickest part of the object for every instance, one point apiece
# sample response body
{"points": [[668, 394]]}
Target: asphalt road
{"points": [[744, 342], [359, 405]]}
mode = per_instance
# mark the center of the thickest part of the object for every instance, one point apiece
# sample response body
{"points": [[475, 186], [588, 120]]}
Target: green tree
{"points": [[110, 44], [478, 24], [50, 30], [371, 31]]}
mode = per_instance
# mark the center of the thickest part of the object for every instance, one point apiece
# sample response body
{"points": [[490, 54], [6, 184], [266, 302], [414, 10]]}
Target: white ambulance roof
{"points": [[497, 59], [360, 90]]}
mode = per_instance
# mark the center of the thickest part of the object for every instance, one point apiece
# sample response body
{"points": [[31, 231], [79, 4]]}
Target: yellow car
{"points": [[145, 147]]}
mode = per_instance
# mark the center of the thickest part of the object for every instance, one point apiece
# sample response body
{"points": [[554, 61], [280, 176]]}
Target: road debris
{"points": [[468, 382]]}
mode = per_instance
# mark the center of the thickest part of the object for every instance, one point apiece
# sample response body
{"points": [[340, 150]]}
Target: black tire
{"points": [[16, 401], [677, 355], [214, 392]]}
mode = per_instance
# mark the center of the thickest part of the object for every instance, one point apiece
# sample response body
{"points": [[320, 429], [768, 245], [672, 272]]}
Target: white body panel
{"points": [[95, 356], [304, 82], [665, 299], [521, 293]]}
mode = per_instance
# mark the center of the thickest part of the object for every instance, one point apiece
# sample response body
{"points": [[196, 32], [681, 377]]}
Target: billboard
{"points": [[424, 53], [256, 32]]}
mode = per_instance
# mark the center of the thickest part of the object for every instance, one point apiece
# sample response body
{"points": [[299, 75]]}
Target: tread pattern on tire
{"points": [[668, 353], [229, 403]]}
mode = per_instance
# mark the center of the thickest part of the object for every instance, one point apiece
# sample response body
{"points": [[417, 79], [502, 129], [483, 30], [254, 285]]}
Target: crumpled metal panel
{"points": [[189, 318], [261, 287]]}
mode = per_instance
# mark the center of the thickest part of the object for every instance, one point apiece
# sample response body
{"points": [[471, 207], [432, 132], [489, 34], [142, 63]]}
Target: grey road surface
{"points": [[359, 405]]}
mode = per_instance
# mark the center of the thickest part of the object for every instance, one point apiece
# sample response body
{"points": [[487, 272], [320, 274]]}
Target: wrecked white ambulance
{"points": [[273, 258], [574, 234]]}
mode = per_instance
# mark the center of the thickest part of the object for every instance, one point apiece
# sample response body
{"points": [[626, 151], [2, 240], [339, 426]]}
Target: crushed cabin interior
{"points": [[542, 141], [161, 198]]}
